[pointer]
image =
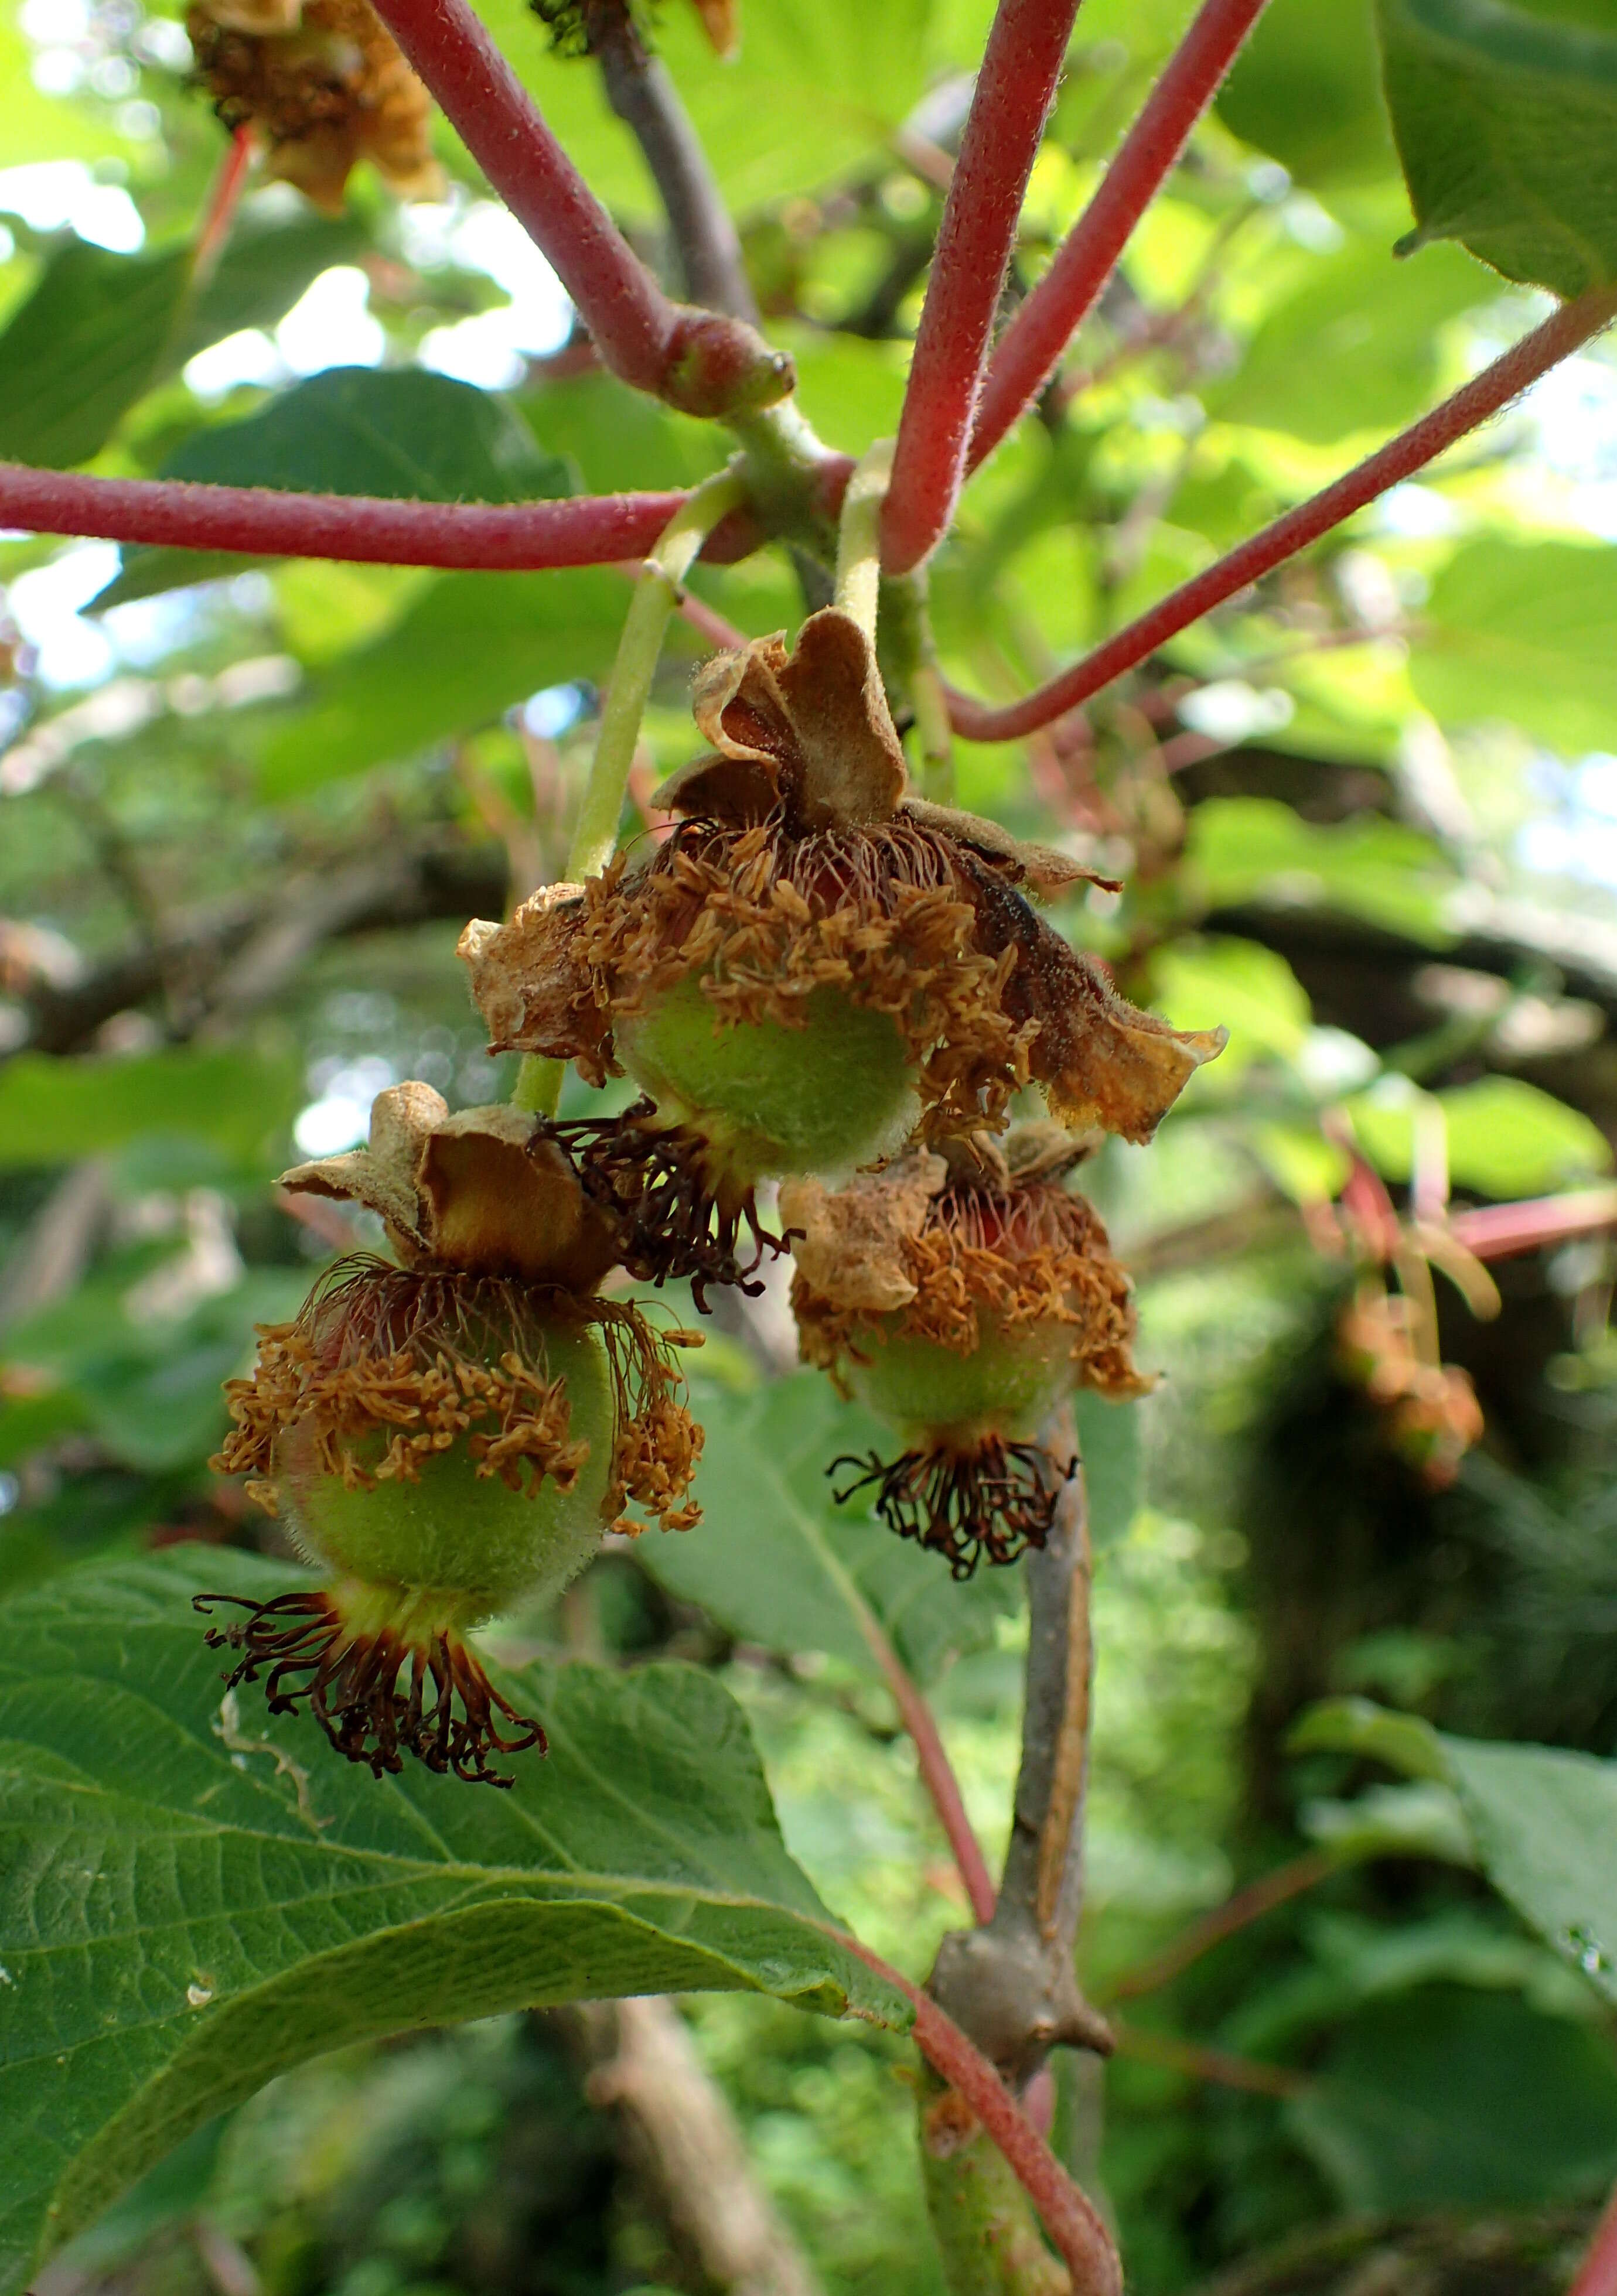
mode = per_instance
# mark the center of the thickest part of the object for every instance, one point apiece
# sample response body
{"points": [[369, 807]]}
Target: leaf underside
{"points": [[195, 1897]]}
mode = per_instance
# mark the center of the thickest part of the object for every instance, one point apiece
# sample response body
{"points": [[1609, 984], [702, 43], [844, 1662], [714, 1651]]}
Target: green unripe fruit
{"points": [[465, 1540], [837, 1092], [936, 1396]]}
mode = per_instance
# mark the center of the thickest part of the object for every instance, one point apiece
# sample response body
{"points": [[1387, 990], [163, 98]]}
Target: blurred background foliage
{"points": [[1367, 816]]}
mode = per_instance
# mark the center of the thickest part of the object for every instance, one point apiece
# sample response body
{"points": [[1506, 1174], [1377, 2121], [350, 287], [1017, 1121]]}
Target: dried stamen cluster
{"points": [[650, 1179], [960, 1297], [324, 83], [351, 1670], [993, 1502]]}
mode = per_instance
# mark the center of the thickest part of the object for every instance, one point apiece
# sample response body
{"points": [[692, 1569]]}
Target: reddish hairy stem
{"points": [[1249, 1905], [631, 319], [223, 201], [1495, 1231], [1057, 306], [1080, 2238], [1598, 2273], [587, 531], [937, 1776], [931, 1756], [1558, 337], [1015, 88]]}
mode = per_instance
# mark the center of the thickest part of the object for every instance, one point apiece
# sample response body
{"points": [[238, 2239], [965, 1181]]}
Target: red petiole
{"points": [[1014, 91]]}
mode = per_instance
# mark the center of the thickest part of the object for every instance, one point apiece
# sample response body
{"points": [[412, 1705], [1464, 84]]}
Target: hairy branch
{"points": [[1484, 397], [1057, 306], [1015, 88], [645, 100], [697, 360], [1071, 2220], [590, 531]]}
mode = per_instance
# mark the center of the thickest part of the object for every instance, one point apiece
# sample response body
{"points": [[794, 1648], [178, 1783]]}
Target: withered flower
{"points": [[814, 963], [448, 1437], [960, 1296], [325, 85], [1432, 1415]]}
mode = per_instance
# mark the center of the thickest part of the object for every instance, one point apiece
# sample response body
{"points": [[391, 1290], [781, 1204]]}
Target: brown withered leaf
{"points": [[476, 1191], [851, 1243]]}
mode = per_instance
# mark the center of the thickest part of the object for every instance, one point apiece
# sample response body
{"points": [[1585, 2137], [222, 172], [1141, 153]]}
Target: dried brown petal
{"points": [[532, 983], [852, 1245], [1043, 869], [1101, 1060], [810, 730], [479, 1191]]}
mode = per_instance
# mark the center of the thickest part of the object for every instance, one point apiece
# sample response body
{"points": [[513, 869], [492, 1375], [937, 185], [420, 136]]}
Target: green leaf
{"points": [[1371, 1732], [1305, 89], [778, 1563], [1356, 347], [1245, 849], [54, 1112], [1109, 1443], [1218, 980], [467, 647], [89, 342], [266, 264], [197, 1895], [1423, 1819], [1504, 118], [1521, 632], [1506, 1138], [1455, 2098], [397, 431], [1545, 1828]]}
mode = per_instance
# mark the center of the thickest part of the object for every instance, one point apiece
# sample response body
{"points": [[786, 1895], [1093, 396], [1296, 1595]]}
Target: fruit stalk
{"points": [[1015, 88], [858, 553], [1052, 315], [656, 594], [1566, 331]]}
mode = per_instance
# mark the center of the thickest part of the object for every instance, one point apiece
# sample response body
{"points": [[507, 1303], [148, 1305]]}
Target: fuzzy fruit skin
{"points": [[824, 1098], [940, 1399], [463, 1544]]}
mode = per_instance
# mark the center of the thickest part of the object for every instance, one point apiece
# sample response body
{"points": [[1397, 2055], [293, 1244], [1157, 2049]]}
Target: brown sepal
{"points": [[1101, 1061], [809, 732], [475, 1191]]}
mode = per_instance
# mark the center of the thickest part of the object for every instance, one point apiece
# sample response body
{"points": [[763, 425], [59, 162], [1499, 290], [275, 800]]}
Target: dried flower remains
{"points": [[325, 85], [960, 1296], [813, 964], [450, 1437]]}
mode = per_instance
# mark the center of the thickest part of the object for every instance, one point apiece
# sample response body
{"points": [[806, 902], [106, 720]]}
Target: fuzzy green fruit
{"points": [[939, 1398], [466, 1543], [835, 1094]]}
